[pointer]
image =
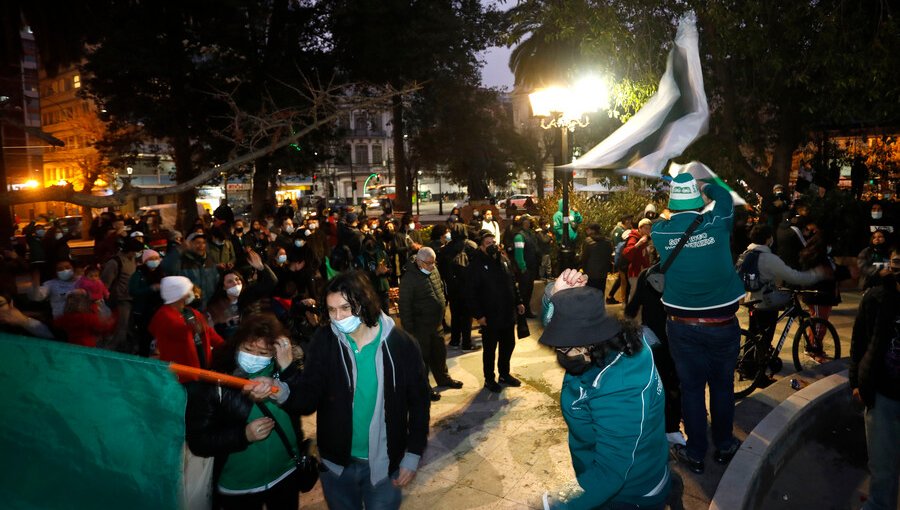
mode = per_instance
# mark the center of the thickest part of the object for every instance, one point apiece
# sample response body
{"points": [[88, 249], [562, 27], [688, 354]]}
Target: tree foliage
{"points": [[774, 72]]}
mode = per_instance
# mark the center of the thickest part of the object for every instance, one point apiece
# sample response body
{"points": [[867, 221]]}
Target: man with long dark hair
{"points": [[365, 380]]}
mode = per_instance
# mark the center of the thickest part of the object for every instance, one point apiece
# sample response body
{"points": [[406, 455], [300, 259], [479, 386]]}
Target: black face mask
{"points": [[492, 250], [575, 360]]}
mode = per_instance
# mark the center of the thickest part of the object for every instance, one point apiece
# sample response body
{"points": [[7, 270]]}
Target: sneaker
{"points": [[492, 386], [676, 438], [509, 381], [725, 456], [681, 455], [435, 396], [612, 301]]}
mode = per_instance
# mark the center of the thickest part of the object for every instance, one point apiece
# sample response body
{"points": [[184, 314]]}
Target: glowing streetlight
{"points": [[566, 108]]}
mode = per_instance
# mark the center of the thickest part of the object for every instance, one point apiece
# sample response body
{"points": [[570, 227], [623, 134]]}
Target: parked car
{"points": [[518, 201]]}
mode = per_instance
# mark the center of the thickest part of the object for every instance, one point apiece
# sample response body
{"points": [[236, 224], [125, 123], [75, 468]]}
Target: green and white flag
{"points": [[87, 428], [667, 124]]}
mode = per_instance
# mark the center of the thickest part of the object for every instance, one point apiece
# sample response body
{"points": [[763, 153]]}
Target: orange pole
{"points": [[192, 373]]}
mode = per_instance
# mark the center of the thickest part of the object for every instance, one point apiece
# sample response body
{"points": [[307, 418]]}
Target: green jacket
{"points": [[573, 224], [617, 437], [701, 280]]}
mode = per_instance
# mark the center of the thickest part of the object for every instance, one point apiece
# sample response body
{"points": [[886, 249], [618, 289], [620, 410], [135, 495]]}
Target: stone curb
{"points": [[770, 443]]}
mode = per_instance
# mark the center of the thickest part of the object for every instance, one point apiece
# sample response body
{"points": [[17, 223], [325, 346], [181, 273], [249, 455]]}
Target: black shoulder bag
{"points": [[656, 276], [307, 464]]}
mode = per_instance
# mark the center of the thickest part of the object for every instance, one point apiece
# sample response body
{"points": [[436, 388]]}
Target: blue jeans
{"points": [[705, 355], [882, 431], [353, 489]]}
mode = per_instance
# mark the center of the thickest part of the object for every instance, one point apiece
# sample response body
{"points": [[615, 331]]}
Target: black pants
{"points": [[599, 282], [763, 321], [526, 288], [505, 337], [460, 323], [434, 354], [669, 376], [283, 496]]}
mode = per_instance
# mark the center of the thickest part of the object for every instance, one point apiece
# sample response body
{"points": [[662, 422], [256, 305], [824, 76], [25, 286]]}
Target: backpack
{"points": [[748, 269], [617, 259], [461, 259]]}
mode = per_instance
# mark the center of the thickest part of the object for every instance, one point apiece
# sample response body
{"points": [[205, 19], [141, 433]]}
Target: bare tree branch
{"points": [[276, 127]]}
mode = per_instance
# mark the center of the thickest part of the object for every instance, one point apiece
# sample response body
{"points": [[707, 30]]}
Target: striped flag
{"points": [[667, 124], [87, 428]]}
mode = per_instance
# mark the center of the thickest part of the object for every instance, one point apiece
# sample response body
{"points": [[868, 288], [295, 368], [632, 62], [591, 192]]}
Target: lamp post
{"points": [[418, 198], [566, 108]]}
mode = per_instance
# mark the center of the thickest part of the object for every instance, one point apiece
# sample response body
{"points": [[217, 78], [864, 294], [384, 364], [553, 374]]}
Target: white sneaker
{"points": [[676, 438]]}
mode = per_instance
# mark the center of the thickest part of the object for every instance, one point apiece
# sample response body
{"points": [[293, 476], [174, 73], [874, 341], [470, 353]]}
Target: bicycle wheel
{"points": [[816, 342], [750, 370]]}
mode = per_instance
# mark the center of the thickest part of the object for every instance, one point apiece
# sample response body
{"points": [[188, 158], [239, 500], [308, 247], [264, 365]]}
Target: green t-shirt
{"points": [[364, 395], [264, 461]]}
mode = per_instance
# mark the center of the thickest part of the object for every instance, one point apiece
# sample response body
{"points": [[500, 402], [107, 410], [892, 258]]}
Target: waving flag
{"points": [[667, 124], [702, 172], [87, 428]]}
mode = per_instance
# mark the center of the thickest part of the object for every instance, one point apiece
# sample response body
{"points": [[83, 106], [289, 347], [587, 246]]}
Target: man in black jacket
{"points": [[875, 381], [596, 257], [365, 380], [494, 301]]}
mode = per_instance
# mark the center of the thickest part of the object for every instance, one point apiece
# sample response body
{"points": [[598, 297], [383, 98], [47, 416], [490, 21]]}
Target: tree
{"points": [[773, 72], [400, 43]]}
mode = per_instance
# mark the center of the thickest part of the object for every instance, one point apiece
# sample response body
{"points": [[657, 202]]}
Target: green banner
{"points": [[87, 428]]}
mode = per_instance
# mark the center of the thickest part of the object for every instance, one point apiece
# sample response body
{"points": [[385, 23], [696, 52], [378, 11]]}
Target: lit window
{"points": [[76, 81]]}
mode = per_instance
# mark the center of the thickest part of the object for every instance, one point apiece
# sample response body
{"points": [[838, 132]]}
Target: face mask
{"points": [[281, 259], [40, 233], [138, 255], [65, 275], [234, 291], [488, 218], [58, 236], [153, 264], [299, 243], [348, 325], [412, 226], [575, 360], [876, 215], [252, 363], [447, 237], [289, 229], [425, 271], [828, 250], [307, 232], [492, 250], [313, 226], [190, 298], [218, 243], [239, 231]]}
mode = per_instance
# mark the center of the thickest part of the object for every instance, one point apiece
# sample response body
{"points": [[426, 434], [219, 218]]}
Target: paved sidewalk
{"points": [[503, 451]]}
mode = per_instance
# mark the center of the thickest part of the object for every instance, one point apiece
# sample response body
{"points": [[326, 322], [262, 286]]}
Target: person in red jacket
{"points": [[181, 332], [81, 322], [637, 252]]}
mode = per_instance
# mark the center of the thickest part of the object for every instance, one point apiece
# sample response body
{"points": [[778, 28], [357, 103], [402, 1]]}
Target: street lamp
{"points": [[418, 198], [566, 108]]}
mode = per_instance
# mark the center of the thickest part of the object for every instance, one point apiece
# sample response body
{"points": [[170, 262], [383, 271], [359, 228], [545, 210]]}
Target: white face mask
{"points": [[876, 215], [58, 235], [426, 271], [299, 243], [307, 232], [139, 254], [153, 264], [447, 237], [65, 275], [234, 291], [412, 226], [281, 259], [190, 298], [348, 325], [289, 229], [252, 363]]}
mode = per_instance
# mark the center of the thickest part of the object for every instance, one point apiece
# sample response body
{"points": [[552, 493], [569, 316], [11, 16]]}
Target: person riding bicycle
{"points": [[773, 273]]}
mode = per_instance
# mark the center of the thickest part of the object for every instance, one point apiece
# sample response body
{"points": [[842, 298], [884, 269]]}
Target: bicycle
{"points": [[815, 342]]}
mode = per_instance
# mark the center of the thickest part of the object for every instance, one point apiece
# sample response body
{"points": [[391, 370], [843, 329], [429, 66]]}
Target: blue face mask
{"points": [[426, 271], [348, 325], [252, 363], [281, 259], [153, 264]]}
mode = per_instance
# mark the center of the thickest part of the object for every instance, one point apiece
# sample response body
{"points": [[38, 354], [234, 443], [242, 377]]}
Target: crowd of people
{"points": [[342, 314]]}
